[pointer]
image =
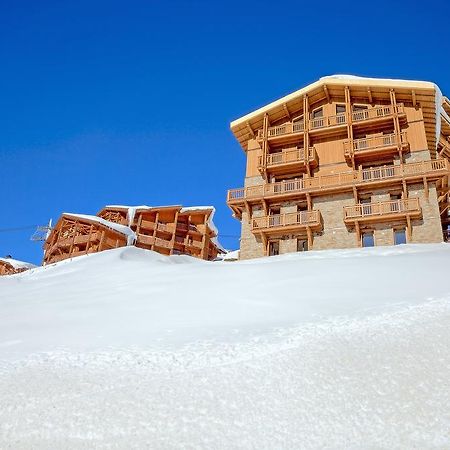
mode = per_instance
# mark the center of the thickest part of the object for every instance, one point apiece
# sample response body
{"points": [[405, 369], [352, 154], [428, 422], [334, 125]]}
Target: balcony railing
{"points": [[332, 121], [289, 156], [380, 209], [376, 113], [348, 178], [374, 143], [328, 121], [291, 220], [285, 128]]}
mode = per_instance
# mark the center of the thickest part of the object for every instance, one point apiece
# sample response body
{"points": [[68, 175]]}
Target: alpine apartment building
{"points": [[344, 162]]}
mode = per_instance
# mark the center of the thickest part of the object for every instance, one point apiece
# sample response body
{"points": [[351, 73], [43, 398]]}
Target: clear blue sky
{"points": [[130, 102]]}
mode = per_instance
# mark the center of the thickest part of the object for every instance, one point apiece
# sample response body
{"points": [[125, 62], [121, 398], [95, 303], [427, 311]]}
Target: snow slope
{"points": [[131, 349]]}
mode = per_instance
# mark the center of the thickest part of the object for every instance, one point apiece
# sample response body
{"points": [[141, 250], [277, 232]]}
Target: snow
{"points": [[131, 349], [18, 264], [123, 229]]}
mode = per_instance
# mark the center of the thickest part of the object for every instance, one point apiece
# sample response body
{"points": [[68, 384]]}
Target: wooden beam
{"points": [[250, 130], [327, 93], [286, 110], [414, 100], [369, 94]]}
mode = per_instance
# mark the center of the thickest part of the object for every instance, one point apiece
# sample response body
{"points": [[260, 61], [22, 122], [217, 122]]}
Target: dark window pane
{"points": [[399, 237], [367, 240]]}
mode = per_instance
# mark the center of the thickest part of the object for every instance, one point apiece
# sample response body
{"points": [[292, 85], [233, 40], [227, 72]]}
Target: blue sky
{"points": [[130, 102]]}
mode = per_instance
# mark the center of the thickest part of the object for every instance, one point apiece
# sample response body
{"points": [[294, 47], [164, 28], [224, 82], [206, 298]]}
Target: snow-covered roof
{"points": [[17, 264], [430, 98], [123, 229], [337, 79]]}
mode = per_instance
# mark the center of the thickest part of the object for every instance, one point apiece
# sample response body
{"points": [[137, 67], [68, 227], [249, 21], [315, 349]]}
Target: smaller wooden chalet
{"points": [[169, 230], [79, 234], [10, 266]]}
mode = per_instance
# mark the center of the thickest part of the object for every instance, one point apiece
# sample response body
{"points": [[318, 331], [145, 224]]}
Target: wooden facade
{"points": [[9, 266], [342, 159], [75, 235], [168, 230]]}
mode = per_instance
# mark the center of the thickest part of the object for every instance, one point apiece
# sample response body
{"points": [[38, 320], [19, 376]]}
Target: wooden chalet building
{"points": [[10, 266], [344, 162], [80, 234], [168, 230]]}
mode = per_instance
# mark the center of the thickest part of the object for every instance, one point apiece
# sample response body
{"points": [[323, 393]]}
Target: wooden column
{"points": [[396, 123], [174, 232], [348, 111], [306, 133], [358, 234], [265, 143], [310, 237]]}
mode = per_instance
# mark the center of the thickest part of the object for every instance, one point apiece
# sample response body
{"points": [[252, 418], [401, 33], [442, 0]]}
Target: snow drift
{"points": [[131, 349]]}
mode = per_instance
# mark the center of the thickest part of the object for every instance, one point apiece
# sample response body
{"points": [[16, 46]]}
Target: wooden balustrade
{"points": [[374, 142], [376, 113], [193, 243], [285, 128], [347, 178], [287, 156], [379, 209], [332, 121], [328, 121], [296, 219]]}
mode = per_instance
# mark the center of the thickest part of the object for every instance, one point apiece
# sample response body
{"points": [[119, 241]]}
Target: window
{"points": [[274, 248], [360, 107], [399, 237], [340, 109], [396, 206], [317, 113], [367, 239], [366, 206], [302, 245]]}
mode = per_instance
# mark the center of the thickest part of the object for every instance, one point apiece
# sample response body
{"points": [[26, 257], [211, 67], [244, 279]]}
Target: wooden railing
{"points": [[289, 219], [364, 210], [339, 179], [288, 156], [328, 121], [193, 243], [374, 142], [375, 113], [285, 128], [165, 227]]}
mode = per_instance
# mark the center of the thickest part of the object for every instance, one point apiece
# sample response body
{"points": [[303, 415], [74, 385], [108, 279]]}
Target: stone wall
{"points": [[335, 233], [251, 246], [428, 229]]}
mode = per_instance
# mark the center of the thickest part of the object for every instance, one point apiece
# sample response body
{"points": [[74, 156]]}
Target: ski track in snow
{"points": [[377, 378]]}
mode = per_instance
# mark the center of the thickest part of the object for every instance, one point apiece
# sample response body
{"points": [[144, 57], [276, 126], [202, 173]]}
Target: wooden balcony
{"points": [[432, 170], [151, 240], [375, 146], [327, 121], [288, 160], [383, 211], [289, 222], [285, 129], [375, 114]]}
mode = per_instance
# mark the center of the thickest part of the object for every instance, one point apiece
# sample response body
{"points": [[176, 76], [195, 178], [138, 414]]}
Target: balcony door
{"points": [[274, 248]]}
